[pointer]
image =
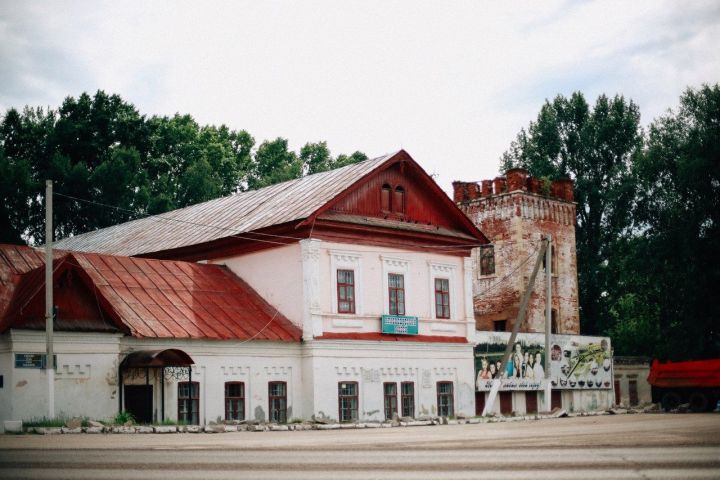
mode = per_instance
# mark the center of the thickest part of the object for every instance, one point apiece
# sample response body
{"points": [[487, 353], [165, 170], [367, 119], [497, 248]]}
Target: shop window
{"points": [[487, 260], [407, 399], [390, 399], [445, 399], [385, 197], [188, 402], [396, 294], [442, 298], [348, 401], [398, 202], [234, 401], [500, 325], [346, 291], [277, 399]]}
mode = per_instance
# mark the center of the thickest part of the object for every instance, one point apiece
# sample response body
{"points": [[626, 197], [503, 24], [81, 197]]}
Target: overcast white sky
{"points": [[450, 82]]}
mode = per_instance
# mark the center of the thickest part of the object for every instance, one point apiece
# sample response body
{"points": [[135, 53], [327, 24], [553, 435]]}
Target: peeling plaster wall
{"points": [[515, 222]]}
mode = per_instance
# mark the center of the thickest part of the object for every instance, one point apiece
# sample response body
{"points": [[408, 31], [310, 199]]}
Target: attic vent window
{"points": [[399, 200], [385, 197]]}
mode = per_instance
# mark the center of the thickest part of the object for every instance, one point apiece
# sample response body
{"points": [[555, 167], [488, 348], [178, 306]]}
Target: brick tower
{"points": [[515, 212]]}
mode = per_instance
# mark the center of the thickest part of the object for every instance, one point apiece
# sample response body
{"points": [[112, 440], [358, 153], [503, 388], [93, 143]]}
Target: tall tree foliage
{"points": [[100, 148], [594, 146], [673, 263]]}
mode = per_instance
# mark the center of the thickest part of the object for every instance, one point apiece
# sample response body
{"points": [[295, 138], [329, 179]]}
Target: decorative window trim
{"points": [[346, 260], [400, 266], [448, 272]]}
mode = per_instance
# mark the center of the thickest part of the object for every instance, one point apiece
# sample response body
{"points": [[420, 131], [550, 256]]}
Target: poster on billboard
{"points": [[576, 361]]}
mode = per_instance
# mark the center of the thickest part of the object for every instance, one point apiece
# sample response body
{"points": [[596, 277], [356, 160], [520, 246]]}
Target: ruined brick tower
{"points": [[515, 212]]}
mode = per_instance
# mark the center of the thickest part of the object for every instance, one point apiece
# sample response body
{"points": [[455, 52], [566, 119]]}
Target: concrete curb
{"points": [[272, 427]]}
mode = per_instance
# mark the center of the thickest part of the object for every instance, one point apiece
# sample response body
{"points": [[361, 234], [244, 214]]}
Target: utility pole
{"points": [[49, 310], [544, 248], [548, 322]]}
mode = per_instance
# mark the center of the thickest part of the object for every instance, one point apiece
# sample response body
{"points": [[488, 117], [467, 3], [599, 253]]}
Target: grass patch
{"points": [[44, 422], [121, 418]]}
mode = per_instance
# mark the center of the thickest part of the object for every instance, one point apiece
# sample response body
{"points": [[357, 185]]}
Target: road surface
{"points": [[603, 447]]}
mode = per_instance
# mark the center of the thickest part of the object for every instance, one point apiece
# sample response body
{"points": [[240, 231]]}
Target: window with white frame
{"points": [[346, 275], [396, 285], [442, 290]]}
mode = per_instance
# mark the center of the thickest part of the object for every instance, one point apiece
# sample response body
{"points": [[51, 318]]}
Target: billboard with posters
{"points": [[576, 361]]}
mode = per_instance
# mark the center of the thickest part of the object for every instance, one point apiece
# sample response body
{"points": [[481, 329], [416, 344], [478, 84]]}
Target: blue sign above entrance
{"points": [[399, 325]]}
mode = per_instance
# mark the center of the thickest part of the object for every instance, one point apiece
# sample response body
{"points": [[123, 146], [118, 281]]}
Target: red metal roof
{"points": [[245, 215], [390, 338], [151, 298]]}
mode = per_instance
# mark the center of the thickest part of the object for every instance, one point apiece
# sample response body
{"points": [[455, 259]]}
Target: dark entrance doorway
{"points": [[506, 403], [139, 402], [556, 399], [531, 403], [479, 403]]}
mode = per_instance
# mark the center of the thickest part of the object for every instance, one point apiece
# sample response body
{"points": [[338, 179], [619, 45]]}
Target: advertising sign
{"points": [[576, 361], [399, 325]]}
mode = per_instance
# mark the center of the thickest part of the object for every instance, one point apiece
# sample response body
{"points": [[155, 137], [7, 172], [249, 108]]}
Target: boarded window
{"points": [[396, 294], [442, 298], [385, 197], [487, 260], [348, 401], [398, 203], [633, 392], [346, 291]]}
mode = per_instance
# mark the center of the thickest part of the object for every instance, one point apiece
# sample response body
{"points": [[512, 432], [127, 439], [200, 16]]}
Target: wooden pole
{"points": [[516, 327], [49, 310], [548, 322]]}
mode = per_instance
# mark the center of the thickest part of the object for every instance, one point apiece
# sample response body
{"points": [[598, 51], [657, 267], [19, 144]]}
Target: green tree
{"points": [[273, 163], [315, 158], [596, 148], [677, 217]]}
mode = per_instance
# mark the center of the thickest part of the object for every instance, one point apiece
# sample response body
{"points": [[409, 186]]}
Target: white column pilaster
{"points": [[312, 322], [468, 298]]}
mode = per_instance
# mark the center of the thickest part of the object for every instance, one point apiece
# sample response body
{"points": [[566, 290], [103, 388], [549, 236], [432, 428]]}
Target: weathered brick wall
{"points": [[515, 212]]}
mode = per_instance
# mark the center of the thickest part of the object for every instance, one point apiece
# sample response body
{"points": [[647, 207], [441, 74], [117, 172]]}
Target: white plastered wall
{"points": [[371, 363]]}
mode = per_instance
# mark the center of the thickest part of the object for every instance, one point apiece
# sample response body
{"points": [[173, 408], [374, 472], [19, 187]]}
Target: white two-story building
{"points": [[346, 294]]}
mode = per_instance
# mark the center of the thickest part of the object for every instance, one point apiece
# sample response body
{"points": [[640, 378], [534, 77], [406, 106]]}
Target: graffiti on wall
{"points": [[576, 362]]}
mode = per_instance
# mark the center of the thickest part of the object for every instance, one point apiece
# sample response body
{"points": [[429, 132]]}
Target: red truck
{"points": [[696, 382]]}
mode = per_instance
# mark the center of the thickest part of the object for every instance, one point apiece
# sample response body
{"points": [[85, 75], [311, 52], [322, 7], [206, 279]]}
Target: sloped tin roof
{"points": [[223, 217], [157, 298]]}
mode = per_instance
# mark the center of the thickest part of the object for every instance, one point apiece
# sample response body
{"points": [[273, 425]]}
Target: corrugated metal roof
{"points": [[223, 217], [157, 298]]}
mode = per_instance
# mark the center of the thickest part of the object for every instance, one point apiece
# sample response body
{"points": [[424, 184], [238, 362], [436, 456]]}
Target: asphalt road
{"points": [[605, 447]]}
